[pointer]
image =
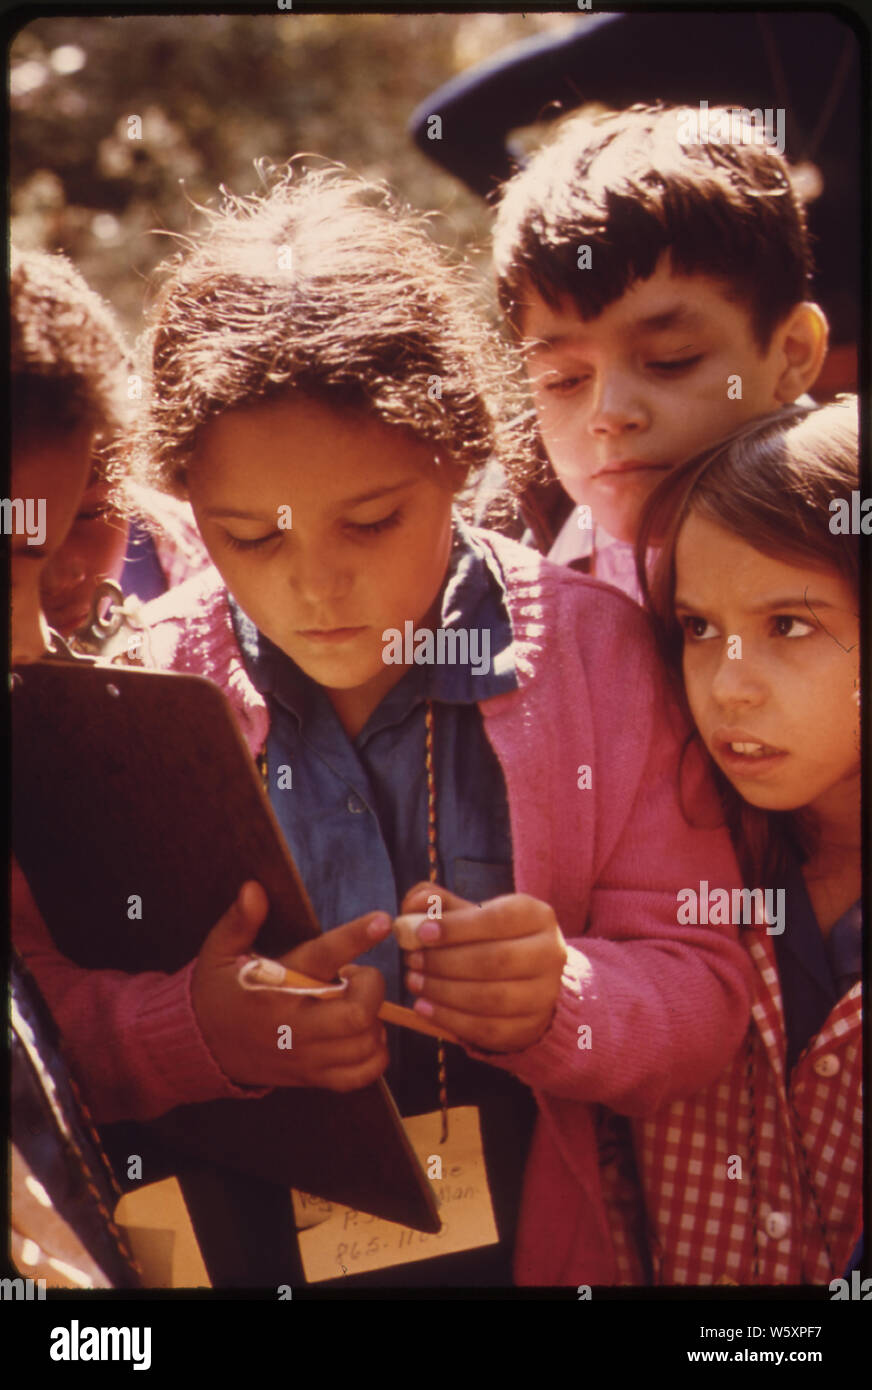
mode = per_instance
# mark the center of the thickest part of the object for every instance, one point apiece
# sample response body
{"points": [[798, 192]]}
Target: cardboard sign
{"points": [[339, 1241]]}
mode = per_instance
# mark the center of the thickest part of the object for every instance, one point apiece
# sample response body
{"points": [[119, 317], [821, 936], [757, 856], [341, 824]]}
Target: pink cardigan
{"points": [[667, 1005]]}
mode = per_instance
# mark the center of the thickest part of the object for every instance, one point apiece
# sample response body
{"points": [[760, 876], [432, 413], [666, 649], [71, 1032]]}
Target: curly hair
{"points": [[324, 285], [68, 359], [628, 185]]}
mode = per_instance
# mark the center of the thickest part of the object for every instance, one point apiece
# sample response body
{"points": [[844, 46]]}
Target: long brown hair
{"points": [[771, 483]]}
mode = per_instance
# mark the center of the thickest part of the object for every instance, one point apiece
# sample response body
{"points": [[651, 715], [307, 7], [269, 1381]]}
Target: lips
{"points": [[66, 620], [334, 634], [744, 752], [621, 466]]}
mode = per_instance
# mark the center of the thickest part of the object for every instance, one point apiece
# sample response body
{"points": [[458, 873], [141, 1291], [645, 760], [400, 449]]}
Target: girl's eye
{"points": [[680, 364], [788, 626], [697, 629], [564, 385], [237, 543], [372, 528]]}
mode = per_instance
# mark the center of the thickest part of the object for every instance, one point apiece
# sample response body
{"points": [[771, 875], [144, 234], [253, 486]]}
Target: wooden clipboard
{"points": [[139, 783]]}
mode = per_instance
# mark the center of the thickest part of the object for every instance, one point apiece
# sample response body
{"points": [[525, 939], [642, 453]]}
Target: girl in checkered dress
{"points": [[755, 595]]}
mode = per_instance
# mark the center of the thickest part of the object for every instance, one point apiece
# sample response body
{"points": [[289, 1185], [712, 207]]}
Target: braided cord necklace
{"points": [[433, 876]]}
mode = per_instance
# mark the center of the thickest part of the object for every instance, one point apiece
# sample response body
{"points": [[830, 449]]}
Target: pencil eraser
{"points": [[406, 930]]}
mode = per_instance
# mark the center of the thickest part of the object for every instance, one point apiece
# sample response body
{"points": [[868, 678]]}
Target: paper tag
{"points": [[155, 1220], [349, 1242]]}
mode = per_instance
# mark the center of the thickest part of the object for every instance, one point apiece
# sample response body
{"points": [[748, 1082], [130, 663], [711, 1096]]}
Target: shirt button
{"points": [[776, 1225], [355, 805], [827, 1065]]}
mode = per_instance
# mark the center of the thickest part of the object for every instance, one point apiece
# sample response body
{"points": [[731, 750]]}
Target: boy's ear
{"points": [[802, 341]]}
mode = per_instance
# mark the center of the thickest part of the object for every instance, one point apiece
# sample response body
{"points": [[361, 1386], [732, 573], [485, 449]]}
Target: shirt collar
{"points": [[473, 597]]}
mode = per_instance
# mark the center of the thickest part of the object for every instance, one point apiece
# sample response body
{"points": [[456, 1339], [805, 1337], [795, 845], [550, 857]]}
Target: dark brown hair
{"points": [[628, 187], [67, 356], [771, 483], [324, 285]]}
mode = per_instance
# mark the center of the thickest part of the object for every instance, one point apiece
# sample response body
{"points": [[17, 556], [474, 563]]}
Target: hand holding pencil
{"points": [[268, 1038]]}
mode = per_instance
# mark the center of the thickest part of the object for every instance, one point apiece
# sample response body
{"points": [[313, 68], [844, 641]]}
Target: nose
{"points": [[65, 571], [318, 576], [617, 408], [737, 681]]}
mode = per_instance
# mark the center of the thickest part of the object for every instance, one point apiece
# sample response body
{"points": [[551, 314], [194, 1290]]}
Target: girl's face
{"points": [[93, 550], [366, 549], [771, 669]]}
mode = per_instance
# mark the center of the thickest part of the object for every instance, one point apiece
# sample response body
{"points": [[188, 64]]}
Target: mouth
{"points": [[66, 620], [742, 752], [330, 634], [624, 467]]}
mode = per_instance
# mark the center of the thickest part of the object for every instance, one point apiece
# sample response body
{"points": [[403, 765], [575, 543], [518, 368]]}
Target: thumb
{"points": [[432, 899], [234, 933], [322, 957]]}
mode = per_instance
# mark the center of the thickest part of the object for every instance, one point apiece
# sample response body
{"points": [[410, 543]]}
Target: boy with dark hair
{"points": [[656, 276]]}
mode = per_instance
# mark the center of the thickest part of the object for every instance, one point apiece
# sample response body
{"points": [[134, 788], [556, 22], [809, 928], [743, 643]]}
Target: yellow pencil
{"points": [[270, 973]]}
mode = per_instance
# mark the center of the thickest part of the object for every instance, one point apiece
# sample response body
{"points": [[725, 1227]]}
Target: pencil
{"points": [[270, 972]]}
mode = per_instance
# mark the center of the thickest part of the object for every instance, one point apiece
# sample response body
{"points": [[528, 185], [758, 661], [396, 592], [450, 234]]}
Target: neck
{"points": [[353, 707], [833, 821]]}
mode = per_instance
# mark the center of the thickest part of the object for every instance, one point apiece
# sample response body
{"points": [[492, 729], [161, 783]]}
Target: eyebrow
{"points": [[767, 605], [356, 501], [680, 316]]}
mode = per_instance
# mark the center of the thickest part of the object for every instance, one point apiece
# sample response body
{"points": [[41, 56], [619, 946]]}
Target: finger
{"points": [[491, 1034], [506, 918], [418, 899], [323, 956], [234, 933], [510, 999], [355, 1078], [522, 958], [353, 1013], [332, 1053]]}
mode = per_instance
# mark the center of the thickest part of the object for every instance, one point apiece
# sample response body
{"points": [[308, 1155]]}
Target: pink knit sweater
{"points": [[666, 1005]]}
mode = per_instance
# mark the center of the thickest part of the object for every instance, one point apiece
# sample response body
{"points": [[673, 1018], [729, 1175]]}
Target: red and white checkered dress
{"points": [[749, 1181]]}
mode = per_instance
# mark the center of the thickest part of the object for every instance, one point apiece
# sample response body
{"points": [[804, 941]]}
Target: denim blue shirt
{"points": [[355, 816]]}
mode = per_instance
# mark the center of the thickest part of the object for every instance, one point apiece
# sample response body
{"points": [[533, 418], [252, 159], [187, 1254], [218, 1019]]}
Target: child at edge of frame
{"points": [[755, 596]]}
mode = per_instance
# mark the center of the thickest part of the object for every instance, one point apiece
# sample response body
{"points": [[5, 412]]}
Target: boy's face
{"points": [[367, 548], [625, 397], [94, 550], [778, 710], [55, 470]]}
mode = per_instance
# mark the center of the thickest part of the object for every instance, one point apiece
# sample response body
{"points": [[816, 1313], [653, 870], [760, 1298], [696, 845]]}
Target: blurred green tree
{"points": [[212, 94]]}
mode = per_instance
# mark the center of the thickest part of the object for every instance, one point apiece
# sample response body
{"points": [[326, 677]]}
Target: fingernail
{"points": [[423, 1006], [379, 926], [415, 960], [414, 982], [429, 931]]}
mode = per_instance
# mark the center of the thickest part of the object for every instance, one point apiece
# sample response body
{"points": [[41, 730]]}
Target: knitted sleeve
{"points": [[132, 1041], [652, 1006]]}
